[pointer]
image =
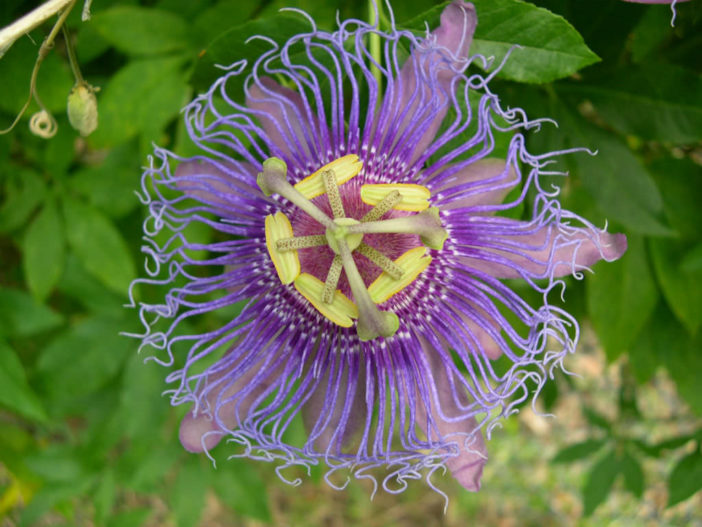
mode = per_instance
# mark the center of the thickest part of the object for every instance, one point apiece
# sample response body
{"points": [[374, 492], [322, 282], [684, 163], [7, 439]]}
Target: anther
{"points": [[383, 207], [301, 242], [332, 280], [382, 261], [333, 194]]}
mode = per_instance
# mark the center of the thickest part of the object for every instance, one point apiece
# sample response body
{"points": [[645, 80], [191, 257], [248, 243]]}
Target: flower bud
{"points": [[82, 108]]}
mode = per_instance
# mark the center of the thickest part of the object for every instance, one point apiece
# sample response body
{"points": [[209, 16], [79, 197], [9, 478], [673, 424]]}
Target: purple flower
{"points": [[363, 230]]}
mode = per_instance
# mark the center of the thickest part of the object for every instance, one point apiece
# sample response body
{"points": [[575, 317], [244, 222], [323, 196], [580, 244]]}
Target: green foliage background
{"points": [[86, 438]]}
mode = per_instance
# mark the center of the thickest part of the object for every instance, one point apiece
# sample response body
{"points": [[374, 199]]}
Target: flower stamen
{"points": [[383, 207], [386, 264], [301, 242], [332, 280]]}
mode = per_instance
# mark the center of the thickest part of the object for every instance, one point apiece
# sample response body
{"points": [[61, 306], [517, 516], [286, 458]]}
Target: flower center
{"points": [[344, 236]]}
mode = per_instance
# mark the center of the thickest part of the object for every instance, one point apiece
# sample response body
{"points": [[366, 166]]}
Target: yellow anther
{"points": [[412, 263], [287, 263], [340, 311], [414, 197], [344, 169]]}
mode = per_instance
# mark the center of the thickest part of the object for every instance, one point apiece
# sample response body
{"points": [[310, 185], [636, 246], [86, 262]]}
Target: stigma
{"points": [[343, 233]]}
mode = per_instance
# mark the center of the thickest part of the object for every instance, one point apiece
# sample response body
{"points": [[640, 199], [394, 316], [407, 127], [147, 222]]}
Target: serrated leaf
{"points": [[141, 98], [599, 482], [44, 251], [231, 47], [549, 48], [655, 101], [99, 245], [82, 359], [21, 315], [579, 450], [611, 292], [142, 31], [615, 177], [685, 479], [15, 392], [187, 497], [633, 474], [680, 287]]}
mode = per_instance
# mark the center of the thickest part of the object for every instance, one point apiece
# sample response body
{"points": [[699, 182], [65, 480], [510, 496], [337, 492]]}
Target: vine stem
{"points": [[33, 19], [44, 49]]}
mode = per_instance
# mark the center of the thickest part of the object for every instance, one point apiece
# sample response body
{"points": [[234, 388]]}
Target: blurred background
{"points": [[86, 439]]}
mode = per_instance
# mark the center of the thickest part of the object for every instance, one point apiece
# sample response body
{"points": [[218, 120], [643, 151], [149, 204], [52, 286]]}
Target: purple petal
{"points": [[447, 424], [422, 91], [546, 251], [281, 112], [344, 400], [483, 183]]}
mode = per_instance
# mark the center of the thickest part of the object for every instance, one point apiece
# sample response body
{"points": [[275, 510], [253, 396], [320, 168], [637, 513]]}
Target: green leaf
{"points": [[681, 288], [54, 79], [665, 342], [110, 185], [187, 497], [99, 245], [549, 48], [44, 251], [231, 47], [611, 292], [142, 405], [615, 177], [597, 419], [15, 392], [141, 98], [680, 182], [142, 31], [655, 101], [599, 482], [579, 450], [21, 315], [24, 190], [652, 30], [633, 474], [211, 23], [130, 518], [240, 487], [685, 479], [693, 260], [77, 283], [51, 495], [105, 496], [82, 359]]}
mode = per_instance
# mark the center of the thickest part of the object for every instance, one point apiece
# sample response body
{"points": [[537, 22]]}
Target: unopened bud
{"points": [[82, 108]]}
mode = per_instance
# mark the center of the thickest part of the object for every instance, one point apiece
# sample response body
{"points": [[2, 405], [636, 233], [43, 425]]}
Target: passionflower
{"points": [[361, 235]]}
